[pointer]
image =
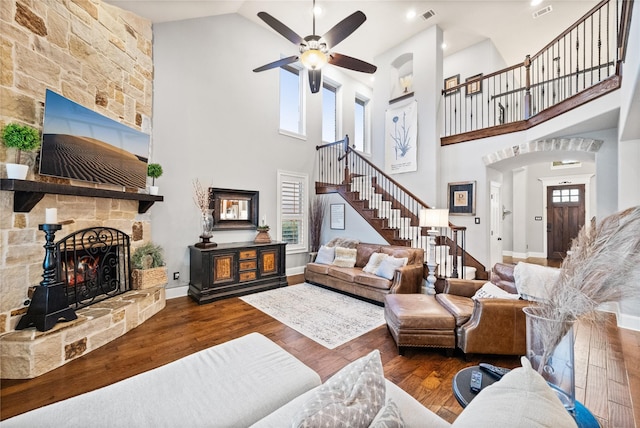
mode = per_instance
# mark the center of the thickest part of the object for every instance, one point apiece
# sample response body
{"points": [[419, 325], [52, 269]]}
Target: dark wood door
{"points": [[565, 218]]}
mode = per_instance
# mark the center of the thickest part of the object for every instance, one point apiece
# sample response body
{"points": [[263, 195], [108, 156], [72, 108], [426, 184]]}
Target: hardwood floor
{"points": [[184, 327]]}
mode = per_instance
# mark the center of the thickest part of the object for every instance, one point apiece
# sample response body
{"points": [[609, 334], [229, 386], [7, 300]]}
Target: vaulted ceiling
{"points": [[509, 23]]}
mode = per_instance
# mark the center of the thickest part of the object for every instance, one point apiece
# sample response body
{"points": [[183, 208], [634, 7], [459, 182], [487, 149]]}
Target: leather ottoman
{"points": [[418, 320]]}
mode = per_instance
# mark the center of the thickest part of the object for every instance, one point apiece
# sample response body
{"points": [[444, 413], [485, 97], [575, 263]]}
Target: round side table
{"points": [[584, 418]]}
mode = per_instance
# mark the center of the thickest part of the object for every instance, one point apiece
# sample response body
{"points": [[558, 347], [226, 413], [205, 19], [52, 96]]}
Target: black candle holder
{"points": [[49, 302]]}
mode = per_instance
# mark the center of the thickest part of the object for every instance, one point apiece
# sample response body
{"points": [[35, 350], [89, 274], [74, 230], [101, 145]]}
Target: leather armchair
{"points": [[486, 326]]}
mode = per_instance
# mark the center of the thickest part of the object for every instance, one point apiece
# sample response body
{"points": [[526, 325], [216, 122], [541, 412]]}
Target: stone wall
{"points": [[96, 55]]}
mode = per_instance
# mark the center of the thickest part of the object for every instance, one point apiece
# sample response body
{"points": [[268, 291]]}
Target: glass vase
{"points": [[207, 224], [550, 351]]}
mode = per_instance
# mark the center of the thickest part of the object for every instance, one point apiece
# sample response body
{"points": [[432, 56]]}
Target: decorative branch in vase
{"points": [[201, 200], [602, 266]]}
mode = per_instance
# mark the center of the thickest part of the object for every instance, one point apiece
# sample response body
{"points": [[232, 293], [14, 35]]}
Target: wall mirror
{"points": [[233, 209]]}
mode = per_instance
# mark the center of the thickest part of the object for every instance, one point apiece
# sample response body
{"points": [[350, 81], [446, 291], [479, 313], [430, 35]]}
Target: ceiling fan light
{"points": [[313, 59]]}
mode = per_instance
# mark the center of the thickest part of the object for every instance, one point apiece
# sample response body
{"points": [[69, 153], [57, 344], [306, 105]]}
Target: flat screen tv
{"points": [[80, 144]]}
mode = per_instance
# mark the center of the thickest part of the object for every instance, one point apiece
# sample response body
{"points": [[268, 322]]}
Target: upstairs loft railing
{"points": [[582, 63], [388, 206]]}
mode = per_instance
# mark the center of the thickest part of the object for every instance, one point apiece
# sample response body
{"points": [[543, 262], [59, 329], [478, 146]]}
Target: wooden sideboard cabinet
{"points": [[235, 269]]}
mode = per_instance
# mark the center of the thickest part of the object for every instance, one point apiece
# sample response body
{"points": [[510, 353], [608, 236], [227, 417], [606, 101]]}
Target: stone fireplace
{"points": [[29, 353]]}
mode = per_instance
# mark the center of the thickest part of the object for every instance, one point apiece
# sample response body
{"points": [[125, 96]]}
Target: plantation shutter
{"points": [[292, 197]]}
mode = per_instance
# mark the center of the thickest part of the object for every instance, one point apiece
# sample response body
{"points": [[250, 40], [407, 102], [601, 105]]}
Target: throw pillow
{"points": [[325, 255], [388, 417], [534, 281], [374, 262], [522, 398], [389, 265], [352, 397], [345, 257], [492, 291]]}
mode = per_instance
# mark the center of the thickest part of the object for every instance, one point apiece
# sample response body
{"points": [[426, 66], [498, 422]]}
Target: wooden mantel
{"points": [[29, 193]]}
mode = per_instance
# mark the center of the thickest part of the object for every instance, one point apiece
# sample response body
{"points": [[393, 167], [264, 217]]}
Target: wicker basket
{"points": [[147, 278]]}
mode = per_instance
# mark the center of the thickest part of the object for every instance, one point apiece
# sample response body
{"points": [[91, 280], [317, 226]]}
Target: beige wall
{"points": [[98, 56]]}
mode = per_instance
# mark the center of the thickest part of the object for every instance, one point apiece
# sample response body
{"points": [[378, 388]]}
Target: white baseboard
{"points": [[524, 255], [298, 270], [630, 322], [173, 292]]}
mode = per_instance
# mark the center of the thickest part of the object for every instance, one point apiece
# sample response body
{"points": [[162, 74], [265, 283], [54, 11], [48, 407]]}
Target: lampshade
{"points": [[431, 217], [313, 59]]}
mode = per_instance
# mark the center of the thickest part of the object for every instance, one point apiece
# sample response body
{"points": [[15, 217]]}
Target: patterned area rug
{"points": [[329, 318]]}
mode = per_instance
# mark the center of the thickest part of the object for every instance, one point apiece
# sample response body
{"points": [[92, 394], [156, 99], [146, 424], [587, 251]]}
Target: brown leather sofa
{"points": [[487, 326], [407, 279]]}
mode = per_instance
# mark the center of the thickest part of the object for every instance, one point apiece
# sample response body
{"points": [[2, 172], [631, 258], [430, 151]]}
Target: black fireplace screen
{"points": [[94, 264]]}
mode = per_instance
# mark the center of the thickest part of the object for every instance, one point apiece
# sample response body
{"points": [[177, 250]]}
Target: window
{"points": [[566, 195], [329, 113], [291, 101], [292, 210], [360, 114]]}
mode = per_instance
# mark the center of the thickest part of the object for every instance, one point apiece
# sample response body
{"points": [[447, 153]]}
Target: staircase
{"points": [[386, 205]]}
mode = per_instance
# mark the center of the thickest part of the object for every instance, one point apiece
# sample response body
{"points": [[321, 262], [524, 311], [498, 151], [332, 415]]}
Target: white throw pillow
{"points": [[492, 291], [325, 255], [522, 398], [374, 262], [345, 257], [389, 265], [355, 394], [533, 282]]}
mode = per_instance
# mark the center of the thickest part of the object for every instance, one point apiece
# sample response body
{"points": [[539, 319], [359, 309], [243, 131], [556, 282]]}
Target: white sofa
{"points": [[251, 381]]}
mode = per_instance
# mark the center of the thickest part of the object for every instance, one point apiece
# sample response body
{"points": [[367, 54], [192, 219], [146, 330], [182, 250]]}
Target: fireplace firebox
{"points": [[93, 264]]}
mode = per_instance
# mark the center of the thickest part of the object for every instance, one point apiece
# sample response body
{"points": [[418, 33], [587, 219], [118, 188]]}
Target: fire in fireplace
{"points": [[94, 264]]}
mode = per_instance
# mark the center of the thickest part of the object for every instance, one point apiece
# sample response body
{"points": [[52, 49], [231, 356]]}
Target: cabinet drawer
{"points": [[248, 265], [247, 276], [247, 254]]}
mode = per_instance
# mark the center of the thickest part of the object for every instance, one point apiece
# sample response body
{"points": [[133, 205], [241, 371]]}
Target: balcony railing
{"points": [[583, 56]]}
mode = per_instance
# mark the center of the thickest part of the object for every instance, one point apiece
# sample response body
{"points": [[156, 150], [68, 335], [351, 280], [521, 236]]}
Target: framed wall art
{"points": [[451, 82], [473, 87], [337, 216], [462, 198]]}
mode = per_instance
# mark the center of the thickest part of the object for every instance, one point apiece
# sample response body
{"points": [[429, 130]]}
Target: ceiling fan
{"points": [[315, 51]]}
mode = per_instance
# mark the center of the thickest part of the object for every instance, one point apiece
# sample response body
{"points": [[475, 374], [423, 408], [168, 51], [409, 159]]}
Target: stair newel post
{"points": [[527, 94], [347, 173], [454, 261]]}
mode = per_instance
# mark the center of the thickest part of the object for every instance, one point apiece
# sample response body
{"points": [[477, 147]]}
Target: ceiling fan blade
{"points": [[285, 31], [315, 80], [345, 61], [278, 63], [344, 28]]}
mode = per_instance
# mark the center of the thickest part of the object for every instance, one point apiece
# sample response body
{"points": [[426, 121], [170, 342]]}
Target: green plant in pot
{"points": [[148, 266], [23, 138], [154, 170]]}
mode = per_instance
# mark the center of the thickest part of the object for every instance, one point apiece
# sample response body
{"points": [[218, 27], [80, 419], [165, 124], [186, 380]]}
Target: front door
{"points": [[565, 218]]}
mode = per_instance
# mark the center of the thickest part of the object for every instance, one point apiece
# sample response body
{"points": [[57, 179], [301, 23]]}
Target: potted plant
{"points": [[154, 170], [21, 137], [148, 267]]}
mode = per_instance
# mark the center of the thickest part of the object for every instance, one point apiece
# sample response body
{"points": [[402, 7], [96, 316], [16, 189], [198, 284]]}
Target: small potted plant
{"points": [[148, 267], [263, 236], [154, 170], [21, 137]]}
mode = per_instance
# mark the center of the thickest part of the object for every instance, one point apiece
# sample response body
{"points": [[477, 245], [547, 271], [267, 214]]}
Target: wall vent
{"points": [[543, 11], [428, 14]]}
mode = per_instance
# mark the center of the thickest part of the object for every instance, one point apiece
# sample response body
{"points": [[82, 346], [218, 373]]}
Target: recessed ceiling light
{"points": [[372, 78], [411, 14], [535, 2], [443, 46], [317, 10]]}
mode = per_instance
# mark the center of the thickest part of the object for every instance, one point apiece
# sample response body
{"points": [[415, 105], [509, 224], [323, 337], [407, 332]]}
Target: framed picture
{"points": [[337, 216], [451, 82], [473, 87], [462, 198]]}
